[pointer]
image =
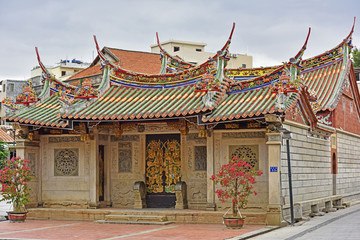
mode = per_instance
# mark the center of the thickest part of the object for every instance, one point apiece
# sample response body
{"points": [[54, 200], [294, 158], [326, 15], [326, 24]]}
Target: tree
{"points": [[4, 154], [236, 180], [356, 56], [15, 177]]}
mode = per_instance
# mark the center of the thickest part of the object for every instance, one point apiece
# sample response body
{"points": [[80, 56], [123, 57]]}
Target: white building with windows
{"points": [[194, 52], [9, 88], [62, 71]]}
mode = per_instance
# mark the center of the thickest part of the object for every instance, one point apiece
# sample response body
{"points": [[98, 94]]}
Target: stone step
{"points": [[176, 216], [135, 218], [132, 222]]}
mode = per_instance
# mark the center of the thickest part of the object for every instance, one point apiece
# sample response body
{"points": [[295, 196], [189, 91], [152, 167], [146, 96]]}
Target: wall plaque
{"points": [[244, 135], [124, 160], [200, 158], [64, 139]]}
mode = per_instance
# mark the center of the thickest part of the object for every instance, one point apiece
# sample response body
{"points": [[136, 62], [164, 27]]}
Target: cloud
{"points": [[271, 31]]}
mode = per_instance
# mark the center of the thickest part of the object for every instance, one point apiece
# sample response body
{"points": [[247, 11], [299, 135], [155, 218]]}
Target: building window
{"points": [[351, 107], [11, 87], [243, 65], [198, 50], [63, 73], [4, 88], [176, 49]]}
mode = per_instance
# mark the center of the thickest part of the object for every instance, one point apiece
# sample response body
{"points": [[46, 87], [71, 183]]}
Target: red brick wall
{"points": [[345, 118], [294, 115]]}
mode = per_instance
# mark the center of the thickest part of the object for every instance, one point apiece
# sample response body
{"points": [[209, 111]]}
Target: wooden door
{"points": [[163, 169]]}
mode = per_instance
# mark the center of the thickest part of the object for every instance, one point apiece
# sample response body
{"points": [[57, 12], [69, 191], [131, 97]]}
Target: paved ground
{"points": [[342, 224], [45, 229]]}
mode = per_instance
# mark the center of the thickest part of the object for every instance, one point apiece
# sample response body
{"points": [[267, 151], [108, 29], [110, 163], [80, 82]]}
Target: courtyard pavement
{"points": [[50, 229], [47, 229]]}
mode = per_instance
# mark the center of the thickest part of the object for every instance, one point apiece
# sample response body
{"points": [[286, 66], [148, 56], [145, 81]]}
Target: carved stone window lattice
{"points": [[200, 157], [66, 162], [248, 153]]}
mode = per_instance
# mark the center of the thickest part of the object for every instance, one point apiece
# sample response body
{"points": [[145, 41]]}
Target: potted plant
{"points": [[15, 190], [237, 179]]}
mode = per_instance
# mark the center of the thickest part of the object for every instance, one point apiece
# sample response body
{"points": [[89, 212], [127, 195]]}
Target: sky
{"points": [[271, 31]]}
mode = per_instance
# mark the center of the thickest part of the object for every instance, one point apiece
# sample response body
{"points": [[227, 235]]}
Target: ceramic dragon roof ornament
{"points": [[170, 64], [212, 83], [64, 91], [289, 82]]}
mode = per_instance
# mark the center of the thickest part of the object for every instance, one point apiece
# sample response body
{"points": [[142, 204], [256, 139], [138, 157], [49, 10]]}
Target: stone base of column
{"points": [[211, 207], [273, 216]]}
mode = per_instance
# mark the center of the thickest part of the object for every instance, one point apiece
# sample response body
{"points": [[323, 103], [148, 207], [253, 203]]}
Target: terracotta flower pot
{"points": [[17, 217], [234, 222]]}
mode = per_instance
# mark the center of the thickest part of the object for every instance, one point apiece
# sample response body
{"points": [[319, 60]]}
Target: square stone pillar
{"points": [[210, 162], [274, 155], [91, 152], [24, 148]]}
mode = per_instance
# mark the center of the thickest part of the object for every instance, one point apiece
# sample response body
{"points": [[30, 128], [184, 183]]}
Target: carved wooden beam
{"points": [[181, 125]]}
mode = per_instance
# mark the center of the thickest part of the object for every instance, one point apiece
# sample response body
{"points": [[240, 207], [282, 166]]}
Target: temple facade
{"points": [[145, 140]]}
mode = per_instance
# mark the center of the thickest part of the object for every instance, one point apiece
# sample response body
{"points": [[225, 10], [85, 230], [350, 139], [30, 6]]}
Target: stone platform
{"points": [[112, 215]]}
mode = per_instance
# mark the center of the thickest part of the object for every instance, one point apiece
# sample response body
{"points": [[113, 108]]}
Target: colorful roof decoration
{"points": [[9, 103], [28, 95], [247, 73], [86, 91]]}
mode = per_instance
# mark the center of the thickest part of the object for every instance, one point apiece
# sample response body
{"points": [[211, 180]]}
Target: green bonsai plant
{"points": [[15, 177], [237, 179]]}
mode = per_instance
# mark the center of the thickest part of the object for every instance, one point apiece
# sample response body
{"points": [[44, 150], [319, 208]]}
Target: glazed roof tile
{"points": [[326, 81], [43, 113], [252, 103], [123, 103]]}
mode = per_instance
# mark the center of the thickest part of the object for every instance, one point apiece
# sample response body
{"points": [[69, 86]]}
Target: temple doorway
{"points": [[101, 185], [163, 169]]}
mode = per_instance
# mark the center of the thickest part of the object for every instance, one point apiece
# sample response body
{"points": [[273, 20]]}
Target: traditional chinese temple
{"points": [[144, 140]]}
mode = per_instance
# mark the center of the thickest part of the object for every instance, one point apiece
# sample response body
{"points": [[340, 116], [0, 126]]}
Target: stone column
{"points": [[274, 150], [91, 152], [23, 148], [210, 191]]}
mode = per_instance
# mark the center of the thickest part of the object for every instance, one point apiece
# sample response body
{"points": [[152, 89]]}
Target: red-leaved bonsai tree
{"points": [[15, 177], [237, 179]]}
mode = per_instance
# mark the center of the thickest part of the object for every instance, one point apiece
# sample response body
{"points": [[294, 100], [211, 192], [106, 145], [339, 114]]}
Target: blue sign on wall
{"points": [[273, 169]]}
